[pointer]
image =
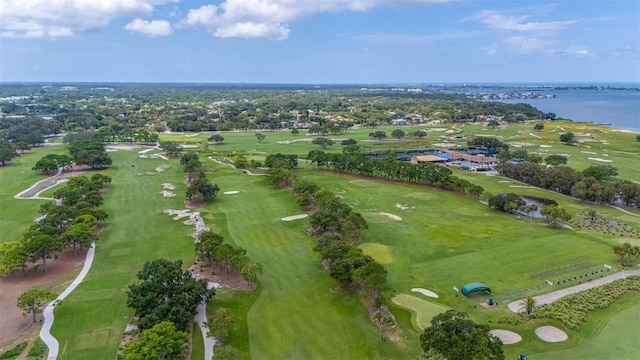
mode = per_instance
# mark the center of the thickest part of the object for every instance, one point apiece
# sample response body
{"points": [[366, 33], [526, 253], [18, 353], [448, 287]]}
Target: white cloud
{"points": [[396, 38], [495, 20], [64, 18], [527, 45], [270, 18], [150, 28]]}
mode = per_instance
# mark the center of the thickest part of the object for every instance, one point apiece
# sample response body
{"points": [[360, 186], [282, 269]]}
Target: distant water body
{"points": [[619, 108]]}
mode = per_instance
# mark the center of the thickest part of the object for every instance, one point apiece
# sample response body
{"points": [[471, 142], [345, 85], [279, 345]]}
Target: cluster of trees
{"points": [[212, 248], [52, 162], [627, 253], [89, 152], [164, 299], [199, 189], [30, 130], [425, 173], [7, 151], [597, 183], [171, 148], [71, 224], [513, 202]]}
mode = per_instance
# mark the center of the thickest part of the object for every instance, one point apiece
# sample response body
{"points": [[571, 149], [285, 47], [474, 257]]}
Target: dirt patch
{"points": [[551, 334], [11, 287], [201, 270]]}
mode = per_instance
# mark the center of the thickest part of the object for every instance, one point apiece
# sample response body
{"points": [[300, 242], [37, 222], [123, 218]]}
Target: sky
{"points": [[320, 41]]}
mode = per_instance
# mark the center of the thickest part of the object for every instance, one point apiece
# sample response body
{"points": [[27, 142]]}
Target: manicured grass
{"points": [[16, 216], [381, 253], [136, 231], [283, 321], [423, 311], [197, 343]]}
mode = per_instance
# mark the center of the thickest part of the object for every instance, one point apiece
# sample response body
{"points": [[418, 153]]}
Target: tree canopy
{"points": [[454, 336], [165, 292]]}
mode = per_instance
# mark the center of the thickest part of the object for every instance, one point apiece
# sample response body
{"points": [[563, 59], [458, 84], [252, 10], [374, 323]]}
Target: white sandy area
{"points": [[194, 219], [445, 144], [189, 146], [159, 156], [514, 145], [144, 151], [166, 193], [403, 207], [522, 186], [294, 217], [504, 181], [599, 159], [391, 216], [437, 129], [287, 142], [168, 186], [192, 135], [551, 334], [232, 192], [507, 337], [162, 168], [588, 152], [121, 147], [534, 135], [546, 146], [111, 150], [425, 292]]}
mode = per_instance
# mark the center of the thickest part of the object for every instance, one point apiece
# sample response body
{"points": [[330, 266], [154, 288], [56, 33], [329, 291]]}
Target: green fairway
{"points": [[136, 231], [381, 253], [423, 311], [197, 343]]}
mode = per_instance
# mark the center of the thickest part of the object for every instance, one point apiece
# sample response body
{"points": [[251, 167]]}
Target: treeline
{"points": [[199, 188], [424, 173], [71, 223], [597, 184], [338, 227]]}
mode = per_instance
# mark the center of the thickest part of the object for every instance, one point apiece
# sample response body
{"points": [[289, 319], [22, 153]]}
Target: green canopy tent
{"points": [[474, 287]]}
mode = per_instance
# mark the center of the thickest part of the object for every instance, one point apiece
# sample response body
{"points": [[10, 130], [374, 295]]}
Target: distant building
{"points": [[68, 88], [399, 122], [428, 159]]}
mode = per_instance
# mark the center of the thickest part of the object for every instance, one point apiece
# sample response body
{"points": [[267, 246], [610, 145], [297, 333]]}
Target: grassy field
{"points": [[443, 240], [197, 343]]}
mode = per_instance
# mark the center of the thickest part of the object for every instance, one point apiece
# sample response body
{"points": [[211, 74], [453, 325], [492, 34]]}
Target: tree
{"points": [[171, 148], [295, 132], [567, 138], [220, 323], [601, 172], [323, 142], [627, 253], [217, 138], [555, 160], [420, 134], [638, 138], [456, 337], [222, 255], [397, 134], [493, 123], [202, 190], [555, 214], [162, 341], [347, 142], [251, 271], [165, 292], [529, 306], [538, 127], [43, 246], [227, 352], [22, 146], [207, 245], [78, 235], [31, 301], [260, 137], [12, 256], [45, 165], [378, 135], [7, 152]]}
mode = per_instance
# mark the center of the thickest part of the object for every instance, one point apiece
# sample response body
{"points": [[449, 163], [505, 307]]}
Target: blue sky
{"points": [[320, 41]]}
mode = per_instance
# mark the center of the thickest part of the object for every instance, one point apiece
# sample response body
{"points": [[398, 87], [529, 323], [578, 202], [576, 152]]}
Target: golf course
{"points": [[424, 237]]}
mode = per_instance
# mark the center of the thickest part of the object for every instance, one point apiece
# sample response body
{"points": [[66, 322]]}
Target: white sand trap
{"points": [[507, 337], [162, 168], [551, 334], [159, 156], [391, 216], [146, 150], [166, 193], [588, 152], [599, 159], [437, 129], [294, 217], [187, 146], [111, 150], [403, 207], [425, 292], [233, 192], [168, 186], [545, 146]]}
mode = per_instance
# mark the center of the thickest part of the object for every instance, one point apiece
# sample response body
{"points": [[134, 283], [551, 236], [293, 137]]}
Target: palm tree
{"points": [[529, 306]]}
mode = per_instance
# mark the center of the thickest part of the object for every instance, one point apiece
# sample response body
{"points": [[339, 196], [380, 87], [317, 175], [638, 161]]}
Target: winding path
{"points": [[33, 192], [516, 306], [201, 319], [233, 166], [45, 332]]}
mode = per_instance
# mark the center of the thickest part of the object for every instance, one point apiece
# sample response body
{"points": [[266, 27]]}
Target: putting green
{"points": [[422, 310], [380, 253]]}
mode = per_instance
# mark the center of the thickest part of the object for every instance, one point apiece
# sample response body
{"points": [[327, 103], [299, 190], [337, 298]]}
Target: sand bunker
{"points": [[111, 150], [507, 337], [144, 151], [194, 219], [162, 168], [599, 159], [287, 142], [588, 152], [425, 292], [551, 334], [233, 192], [403, 207], [294, 217], [391, 216], [166, 193], [168, 186], [545, 146]]}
